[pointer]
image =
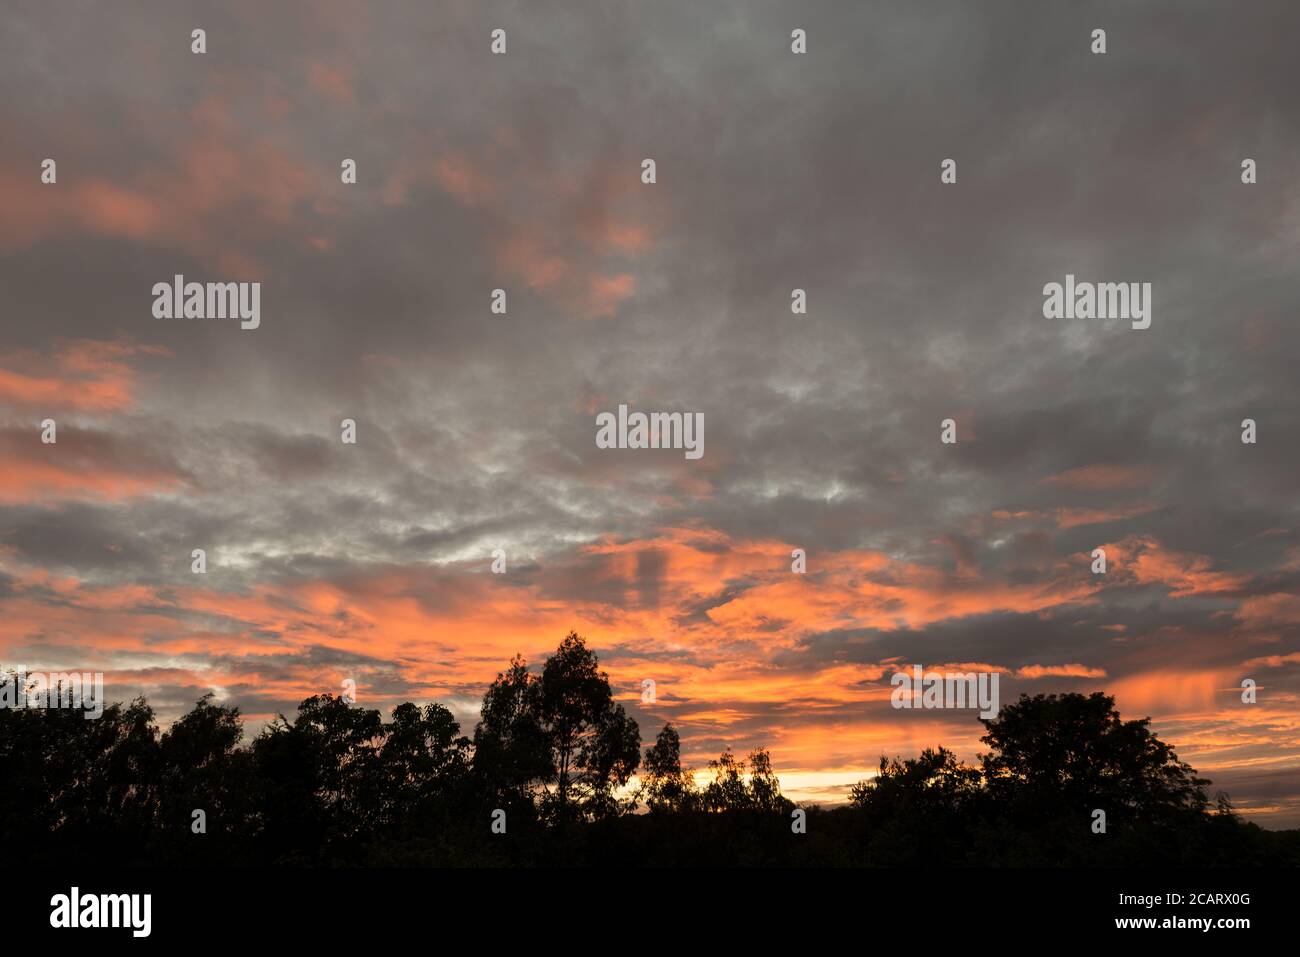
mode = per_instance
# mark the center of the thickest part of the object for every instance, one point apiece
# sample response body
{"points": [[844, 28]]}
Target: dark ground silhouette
{"points": [[551, 759]]}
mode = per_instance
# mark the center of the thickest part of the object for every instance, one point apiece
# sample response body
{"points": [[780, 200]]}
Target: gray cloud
{"points": [[775, 171]]}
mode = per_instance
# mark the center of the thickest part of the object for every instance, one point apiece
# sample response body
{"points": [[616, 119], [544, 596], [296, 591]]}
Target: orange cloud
{"points": [[335, 83], [1166, 691], [718, 623], [215, 197], [456, 175], [528, 258], [1060, 671], [1102, 477], [1278, 609], [82, 375], [1273, 661], [1075, 517], [28, 481], [557, 231], [606, 293], [1148, 562]]}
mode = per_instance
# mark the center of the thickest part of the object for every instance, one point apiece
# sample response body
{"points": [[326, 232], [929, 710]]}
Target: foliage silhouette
{"points": [[557, 740], [667, 786], [339, 785]]}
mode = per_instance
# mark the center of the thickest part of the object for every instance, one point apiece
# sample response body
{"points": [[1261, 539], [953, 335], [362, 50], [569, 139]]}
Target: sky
{"points": [[475, 431]]}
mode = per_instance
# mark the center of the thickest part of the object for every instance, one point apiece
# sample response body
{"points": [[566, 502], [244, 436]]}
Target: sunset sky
{"points": [[476, 431]]}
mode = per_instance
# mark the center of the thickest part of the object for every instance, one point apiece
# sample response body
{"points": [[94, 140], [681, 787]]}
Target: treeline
{"points": [[547, 780]]}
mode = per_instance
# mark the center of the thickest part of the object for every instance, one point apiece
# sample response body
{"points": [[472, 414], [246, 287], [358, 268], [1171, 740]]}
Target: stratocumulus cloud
{"points": [[474, 430]]}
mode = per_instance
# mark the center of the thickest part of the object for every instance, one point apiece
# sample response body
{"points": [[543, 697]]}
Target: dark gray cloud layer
{"points": [[775, 171]]}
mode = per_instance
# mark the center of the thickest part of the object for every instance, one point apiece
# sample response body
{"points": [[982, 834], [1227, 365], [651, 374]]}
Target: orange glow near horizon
{"points": [[448, 630]]}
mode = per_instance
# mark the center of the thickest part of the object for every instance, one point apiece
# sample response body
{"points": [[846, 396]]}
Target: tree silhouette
{"points": [[203, 769], [727, 791], [425, 763], [71, 782], [320, 774], [764, 788], [668, 788], [338, 784], [595, 746], [730, 791], [558, 737], [935, 781], [511, 753], [1055, 754]]}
